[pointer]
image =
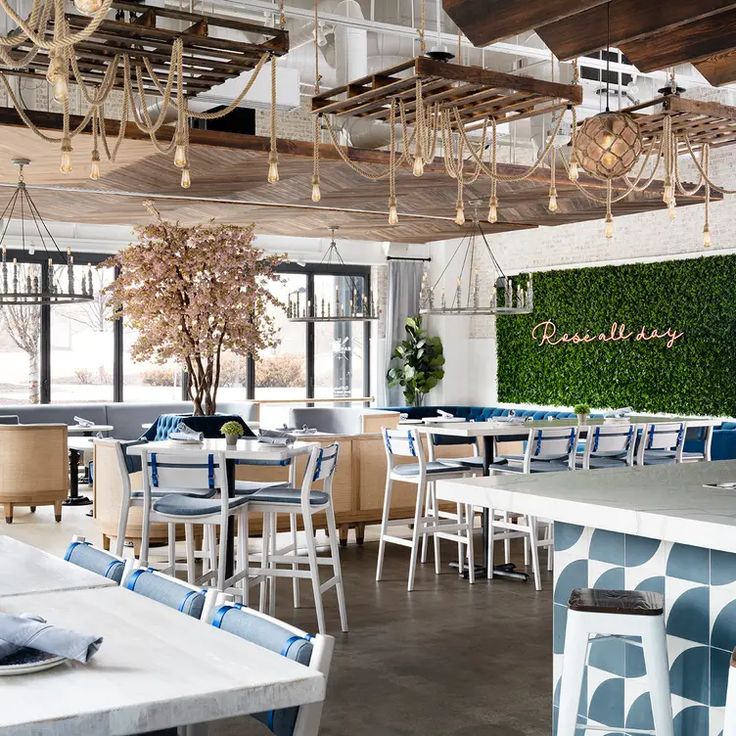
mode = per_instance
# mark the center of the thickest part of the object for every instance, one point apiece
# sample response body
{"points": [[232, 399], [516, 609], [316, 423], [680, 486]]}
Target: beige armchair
{"points": [[34, 467]]}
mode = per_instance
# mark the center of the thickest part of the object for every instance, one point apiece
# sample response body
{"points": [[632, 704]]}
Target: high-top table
{"points": [[659, 528], [25, 569], [246, 451], [157, 668]]}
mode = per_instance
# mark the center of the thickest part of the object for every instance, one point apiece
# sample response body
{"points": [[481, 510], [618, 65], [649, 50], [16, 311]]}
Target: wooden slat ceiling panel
{"points": [[228, 184]]}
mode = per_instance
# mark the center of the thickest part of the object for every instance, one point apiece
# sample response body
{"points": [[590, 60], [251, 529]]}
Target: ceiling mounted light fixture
{"points": [[350, 303], [49, 286]]}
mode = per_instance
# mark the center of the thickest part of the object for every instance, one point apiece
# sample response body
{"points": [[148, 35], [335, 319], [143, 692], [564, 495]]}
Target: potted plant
{"points": [[195, 294], [233, 431], [583, 413], [418, 363]]}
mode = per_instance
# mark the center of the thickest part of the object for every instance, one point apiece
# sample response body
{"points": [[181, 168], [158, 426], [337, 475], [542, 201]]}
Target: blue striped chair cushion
{"points": [[246, 487], [435, 466], [181, 504], [95, 560], [288, 495], [166, 590], [269, 635]]}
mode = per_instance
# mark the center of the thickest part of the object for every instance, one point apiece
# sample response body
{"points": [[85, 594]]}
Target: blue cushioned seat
{"points": [[284, 494], [246, 487], [85, 555], [166, 590], [433, 467], [185, 504], [269, 635]]}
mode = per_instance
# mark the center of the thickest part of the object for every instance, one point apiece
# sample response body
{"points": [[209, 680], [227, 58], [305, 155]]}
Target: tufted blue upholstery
{"points": [[269, 635], [210, 426]]}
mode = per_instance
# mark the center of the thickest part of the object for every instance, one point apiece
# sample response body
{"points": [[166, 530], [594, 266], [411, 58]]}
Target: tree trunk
{"points": [[33, 377]]}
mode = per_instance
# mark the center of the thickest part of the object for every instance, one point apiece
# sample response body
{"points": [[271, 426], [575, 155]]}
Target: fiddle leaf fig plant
{"points": [[416, 363]]}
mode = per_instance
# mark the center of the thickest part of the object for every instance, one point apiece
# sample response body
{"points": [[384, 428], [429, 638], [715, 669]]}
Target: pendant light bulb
{"points": [[54, 69], [608, 229], [672, 209], [460, 214], [393, 212], [60, 89], [273, 169], [316, 193], [186, 178], [552, 206], [94, 169], [180, 156], [707, 242], [66, 160], [418, 166], [573, 172], [493, 211]]}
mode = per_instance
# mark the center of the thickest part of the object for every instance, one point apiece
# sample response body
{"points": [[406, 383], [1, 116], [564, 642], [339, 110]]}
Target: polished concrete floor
{"points": [[448, 659]]}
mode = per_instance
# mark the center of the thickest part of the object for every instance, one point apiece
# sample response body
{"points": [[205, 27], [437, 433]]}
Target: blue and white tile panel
{"points": [[699, 586]]}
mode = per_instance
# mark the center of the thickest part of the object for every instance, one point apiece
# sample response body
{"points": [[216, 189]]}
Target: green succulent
{"points": [[417, 362], [230, 429]]}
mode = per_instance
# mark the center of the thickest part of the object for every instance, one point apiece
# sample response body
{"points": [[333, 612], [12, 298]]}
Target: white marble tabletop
{"points": [[26, 569], [667, 502], [92, 429], [245, 449], [502, 428], [157, 668]]}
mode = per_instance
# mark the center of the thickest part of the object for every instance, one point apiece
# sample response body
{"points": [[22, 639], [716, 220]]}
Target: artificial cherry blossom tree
{"points": [[193, 293]]}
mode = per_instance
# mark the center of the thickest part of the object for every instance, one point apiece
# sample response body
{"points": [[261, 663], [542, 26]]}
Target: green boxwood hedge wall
{"points": [[697, 375]]}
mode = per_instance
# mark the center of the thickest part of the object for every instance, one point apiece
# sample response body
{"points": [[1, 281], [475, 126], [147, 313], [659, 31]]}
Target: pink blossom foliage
{"points": [[193, 293]]}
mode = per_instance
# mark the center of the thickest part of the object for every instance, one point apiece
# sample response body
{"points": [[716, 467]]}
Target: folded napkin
{"points": [[84, 422], [403, 415], [276, 437], [182, 432], [18, 632], [623, 412], [446, 414]]}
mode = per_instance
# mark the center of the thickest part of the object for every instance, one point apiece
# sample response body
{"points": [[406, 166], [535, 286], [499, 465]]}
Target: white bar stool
{"points": [[729, 724], [606, 614]]}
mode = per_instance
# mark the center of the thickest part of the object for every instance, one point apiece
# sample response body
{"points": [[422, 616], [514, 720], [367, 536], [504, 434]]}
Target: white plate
{"points": [[28, 661], [193, 441]]}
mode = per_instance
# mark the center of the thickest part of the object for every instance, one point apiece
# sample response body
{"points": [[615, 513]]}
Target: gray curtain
{"points": [[404, 286]]}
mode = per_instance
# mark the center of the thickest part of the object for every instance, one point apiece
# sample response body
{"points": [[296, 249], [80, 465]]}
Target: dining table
{"points": [[516, 429], [244, 452], [156, 669], [78, 432], [27, 569]]}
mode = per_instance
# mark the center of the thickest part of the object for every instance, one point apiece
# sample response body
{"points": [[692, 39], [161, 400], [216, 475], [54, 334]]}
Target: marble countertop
{"points": [[667, 502]]}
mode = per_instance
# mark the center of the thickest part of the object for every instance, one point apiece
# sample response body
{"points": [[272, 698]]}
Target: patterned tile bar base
{"points": [[699, 586]]}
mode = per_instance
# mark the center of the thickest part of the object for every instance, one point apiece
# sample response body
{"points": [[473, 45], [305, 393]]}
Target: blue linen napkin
{"points": [[18, 632]]}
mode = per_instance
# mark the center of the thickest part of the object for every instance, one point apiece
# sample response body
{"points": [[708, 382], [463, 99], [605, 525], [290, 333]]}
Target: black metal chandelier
{"points": [[17, 287], [349, 304]]}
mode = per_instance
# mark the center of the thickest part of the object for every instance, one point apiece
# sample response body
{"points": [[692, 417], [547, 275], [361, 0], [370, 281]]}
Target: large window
{"points": [[75, 353], [82, 345]]}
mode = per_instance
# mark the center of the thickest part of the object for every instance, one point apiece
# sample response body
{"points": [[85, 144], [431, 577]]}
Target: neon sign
{"points": [[546, 333]]}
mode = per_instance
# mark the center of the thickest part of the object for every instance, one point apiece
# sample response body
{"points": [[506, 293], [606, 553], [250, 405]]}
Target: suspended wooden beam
{"points": [[690, 42], [631, 20], [486, 21], [719, 69]]}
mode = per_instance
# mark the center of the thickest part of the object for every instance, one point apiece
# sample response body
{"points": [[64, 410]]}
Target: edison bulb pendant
{"points": [[186, 178], [667, 193], [707, 242], [608, 229], [66, 162], [460, 214], [273, 171], [316, 193], [493, 211], [552, 206], [180, 156], [60, 89], [672, 209], [418, 166], [94, 170], [573, 172]]}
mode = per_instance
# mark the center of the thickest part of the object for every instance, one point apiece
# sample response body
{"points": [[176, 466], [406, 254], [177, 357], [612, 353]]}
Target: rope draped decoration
{"points": [[48, 29]]}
